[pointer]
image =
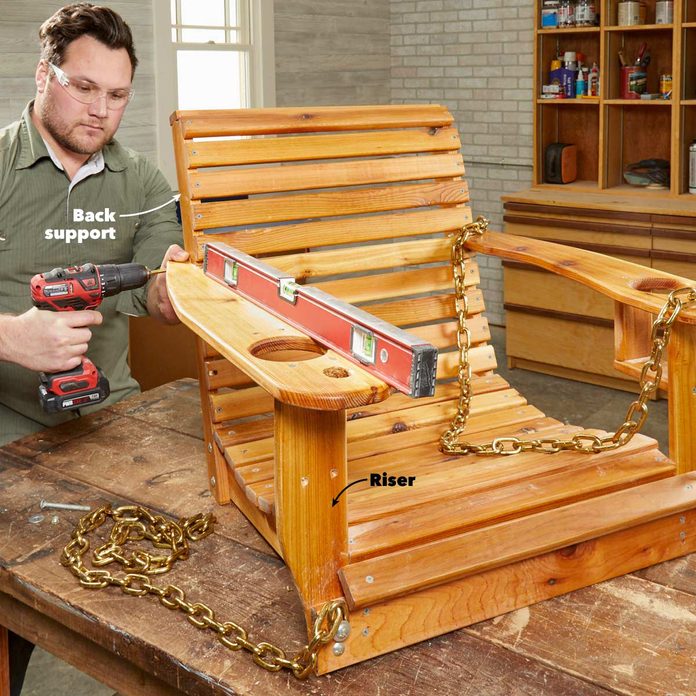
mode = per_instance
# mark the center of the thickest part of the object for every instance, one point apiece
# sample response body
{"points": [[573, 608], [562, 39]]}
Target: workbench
{"points": [[632, 635]]}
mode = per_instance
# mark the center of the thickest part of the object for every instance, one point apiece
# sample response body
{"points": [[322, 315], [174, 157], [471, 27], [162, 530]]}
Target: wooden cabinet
{"points": [[559, 327], [551, 322]]}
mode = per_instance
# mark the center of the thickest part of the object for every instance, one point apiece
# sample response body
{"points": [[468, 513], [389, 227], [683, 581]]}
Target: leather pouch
{"points": [[560, 163]]}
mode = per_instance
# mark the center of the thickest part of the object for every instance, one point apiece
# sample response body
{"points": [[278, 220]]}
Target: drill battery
{"points": [[84, 385]]}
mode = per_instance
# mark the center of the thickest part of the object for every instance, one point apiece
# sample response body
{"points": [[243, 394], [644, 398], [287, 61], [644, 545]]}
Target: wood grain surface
{"points": [[632, 635]]}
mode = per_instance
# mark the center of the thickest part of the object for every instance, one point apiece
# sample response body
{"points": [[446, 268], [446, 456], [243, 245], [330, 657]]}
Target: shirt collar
{"points": [[33, 148]]}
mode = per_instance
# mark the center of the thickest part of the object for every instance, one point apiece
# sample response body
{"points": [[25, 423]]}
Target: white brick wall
{"points": [[332, 52], [476, 58]]}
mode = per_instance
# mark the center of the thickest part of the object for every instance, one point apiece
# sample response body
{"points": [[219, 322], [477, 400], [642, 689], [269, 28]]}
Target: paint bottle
{"points": [[585, 14], [593, 81], [580, 84], [566, 13]]}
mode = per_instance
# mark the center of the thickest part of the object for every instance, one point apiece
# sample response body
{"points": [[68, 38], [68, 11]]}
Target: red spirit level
{"points": [[399, 358]]}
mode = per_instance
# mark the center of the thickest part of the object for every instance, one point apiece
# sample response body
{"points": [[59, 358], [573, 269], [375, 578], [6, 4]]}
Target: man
{"points": [[69, 194]]}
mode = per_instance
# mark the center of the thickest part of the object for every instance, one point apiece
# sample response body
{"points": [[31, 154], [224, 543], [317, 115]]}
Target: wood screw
{"points": [[45, 505]]}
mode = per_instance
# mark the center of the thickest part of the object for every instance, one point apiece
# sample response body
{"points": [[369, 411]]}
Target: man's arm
{"points": [[156, 242], [158, 304], [46, 341]]}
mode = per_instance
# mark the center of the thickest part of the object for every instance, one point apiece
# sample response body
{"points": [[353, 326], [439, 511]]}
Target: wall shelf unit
{"points": [[551, 325]]}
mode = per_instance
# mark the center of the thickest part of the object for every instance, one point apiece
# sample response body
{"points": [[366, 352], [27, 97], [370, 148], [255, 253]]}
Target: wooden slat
{"points": [[228, 434], [338, 231], [481, 358], [445, 335], [222, 373], [309, 147], [518, 420], [253, 462], [424, 309], [579, 476], [363, 258], [431, 612], [381, 286], [578, 480], [473, 552], [328, 203], [443, 392], [304, 177], [240, 404], [248, 431], [486, 413], [200, 124]]}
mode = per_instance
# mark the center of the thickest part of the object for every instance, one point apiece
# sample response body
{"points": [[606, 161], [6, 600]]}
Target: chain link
{"points": [[650, 377], [135, 523]]}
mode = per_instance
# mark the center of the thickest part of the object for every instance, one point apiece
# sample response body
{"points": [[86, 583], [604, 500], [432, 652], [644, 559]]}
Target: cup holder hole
{"points": [[659, 286], [336, 372], [287, 349]]}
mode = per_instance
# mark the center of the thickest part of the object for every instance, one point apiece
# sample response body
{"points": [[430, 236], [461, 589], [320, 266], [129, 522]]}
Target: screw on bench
{"points": [[45, 505]]}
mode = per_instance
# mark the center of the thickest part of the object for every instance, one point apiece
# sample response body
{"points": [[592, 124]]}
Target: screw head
{"points": [[338, 649], [369, 579], [35, 519], [213, 482], [342, 632]]}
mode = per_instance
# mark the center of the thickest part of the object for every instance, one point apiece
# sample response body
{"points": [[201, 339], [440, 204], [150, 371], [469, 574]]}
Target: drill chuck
{"points": [[116, 278]]}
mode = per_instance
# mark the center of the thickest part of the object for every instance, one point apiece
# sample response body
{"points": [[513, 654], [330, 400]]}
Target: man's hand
{"points": [[46, 341], [158, 304]]}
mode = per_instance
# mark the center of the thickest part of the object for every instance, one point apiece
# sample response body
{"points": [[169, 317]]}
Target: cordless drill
{"points": [[70, 290]]}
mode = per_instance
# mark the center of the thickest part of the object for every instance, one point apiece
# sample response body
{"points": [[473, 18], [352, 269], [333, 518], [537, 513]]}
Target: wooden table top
{"points": [[631, 635]]}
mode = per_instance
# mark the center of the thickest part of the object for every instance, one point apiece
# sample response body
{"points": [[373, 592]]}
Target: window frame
{"points": [[260, 56]]}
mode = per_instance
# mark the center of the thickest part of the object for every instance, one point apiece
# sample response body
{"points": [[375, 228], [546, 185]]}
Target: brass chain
{"points": [[134, 523], [650, 376]]}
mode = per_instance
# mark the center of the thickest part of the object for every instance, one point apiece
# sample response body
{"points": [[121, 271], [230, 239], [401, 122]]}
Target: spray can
{"points": [[692, 167], [664, 11]]}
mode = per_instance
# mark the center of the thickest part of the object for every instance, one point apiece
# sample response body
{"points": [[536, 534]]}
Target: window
{"points": [[211, 54], [212, 41]]}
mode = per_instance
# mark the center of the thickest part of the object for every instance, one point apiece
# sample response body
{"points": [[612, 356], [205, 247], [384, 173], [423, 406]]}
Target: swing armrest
{"points": [[628, 283], [268, 349]]}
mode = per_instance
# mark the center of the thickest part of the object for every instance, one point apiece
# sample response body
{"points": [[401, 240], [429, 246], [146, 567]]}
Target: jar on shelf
{"points": [[585, 13], [630, 13], [566, 13], [664, 11]]}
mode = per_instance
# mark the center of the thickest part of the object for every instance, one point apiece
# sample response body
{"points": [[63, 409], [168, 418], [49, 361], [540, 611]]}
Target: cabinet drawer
{"points": [[571, 345], [528, 287]]}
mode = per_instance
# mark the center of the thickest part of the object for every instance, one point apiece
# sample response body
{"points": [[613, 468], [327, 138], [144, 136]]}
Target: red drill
{"points": [[74, 289]]}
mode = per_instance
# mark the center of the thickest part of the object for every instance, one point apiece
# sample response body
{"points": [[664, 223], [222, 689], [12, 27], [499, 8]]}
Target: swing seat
{"points": [[362, 202]]}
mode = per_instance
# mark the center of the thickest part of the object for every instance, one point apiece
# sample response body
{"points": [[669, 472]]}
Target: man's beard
{"points": [[64, 134]]}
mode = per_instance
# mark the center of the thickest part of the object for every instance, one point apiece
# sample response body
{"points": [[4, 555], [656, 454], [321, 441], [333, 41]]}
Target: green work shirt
{"points": [[48, 222]]}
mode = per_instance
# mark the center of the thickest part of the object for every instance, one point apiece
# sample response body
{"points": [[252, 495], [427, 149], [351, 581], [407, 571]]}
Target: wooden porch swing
{"points": [[363, 202]]}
